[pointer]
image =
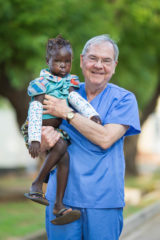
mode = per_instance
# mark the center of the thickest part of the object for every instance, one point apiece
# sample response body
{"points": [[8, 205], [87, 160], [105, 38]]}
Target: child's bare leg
{"points": [[62, 176], [51, 160]]}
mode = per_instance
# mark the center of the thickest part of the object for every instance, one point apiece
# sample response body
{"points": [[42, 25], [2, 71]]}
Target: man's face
{"points": [[60, 63], [98, 64]]}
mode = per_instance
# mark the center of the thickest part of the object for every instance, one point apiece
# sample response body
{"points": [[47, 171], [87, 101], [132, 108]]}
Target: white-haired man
{"points": [[97, 166]]}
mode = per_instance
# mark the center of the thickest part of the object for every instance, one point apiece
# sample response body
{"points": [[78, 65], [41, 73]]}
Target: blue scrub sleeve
{"points": [[125, 112]]}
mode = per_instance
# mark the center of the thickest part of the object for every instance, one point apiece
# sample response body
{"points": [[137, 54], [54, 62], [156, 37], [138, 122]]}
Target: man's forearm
{"points": [[88, 128], [103, 136]]}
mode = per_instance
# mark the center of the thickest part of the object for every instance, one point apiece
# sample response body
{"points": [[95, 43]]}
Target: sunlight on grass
{"points": [[149, 186], [132, 209], [21, 218], [145, 183], [12, 182]]}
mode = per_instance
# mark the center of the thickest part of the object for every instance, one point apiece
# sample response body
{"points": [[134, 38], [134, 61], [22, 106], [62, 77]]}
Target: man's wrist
{"points": [[70, 115], [65, 112]]}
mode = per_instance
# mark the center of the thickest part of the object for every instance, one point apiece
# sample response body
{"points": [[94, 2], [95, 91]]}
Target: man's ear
{"points": [[115, 66], [81, 60]]}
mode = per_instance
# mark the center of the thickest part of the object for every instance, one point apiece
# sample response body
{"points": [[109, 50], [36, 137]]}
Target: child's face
{"points": [[61, 62]]}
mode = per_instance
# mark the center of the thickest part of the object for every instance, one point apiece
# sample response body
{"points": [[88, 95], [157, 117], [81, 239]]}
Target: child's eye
{"points": [[57, 62]]}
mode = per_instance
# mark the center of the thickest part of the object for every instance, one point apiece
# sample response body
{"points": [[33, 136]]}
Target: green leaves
{"points": [[26, 26]]}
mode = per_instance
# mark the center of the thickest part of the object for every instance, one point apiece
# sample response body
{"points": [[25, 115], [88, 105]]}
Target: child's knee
{"points": [[65, 159], [63, 162], [61, 146]]}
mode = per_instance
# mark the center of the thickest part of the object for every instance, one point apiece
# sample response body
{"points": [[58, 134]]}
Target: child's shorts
{"points": [[24, 130]]}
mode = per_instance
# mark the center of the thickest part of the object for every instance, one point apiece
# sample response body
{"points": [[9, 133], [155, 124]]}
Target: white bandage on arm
{"points": [[35, 121], [81, 105]]}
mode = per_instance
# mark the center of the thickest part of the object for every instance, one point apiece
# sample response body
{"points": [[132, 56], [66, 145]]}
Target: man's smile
{"points": [[97, 73]]}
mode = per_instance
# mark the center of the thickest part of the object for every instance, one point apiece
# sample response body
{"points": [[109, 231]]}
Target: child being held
{"points": [[58, 82]]}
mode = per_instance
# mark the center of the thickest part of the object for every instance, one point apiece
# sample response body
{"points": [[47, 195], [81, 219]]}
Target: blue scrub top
{"points": [[96, 176]]}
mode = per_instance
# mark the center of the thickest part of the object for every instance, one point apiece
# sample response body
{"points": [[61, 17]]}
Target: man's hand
{"points": [[34, 149], [55, 106], [49, 137]]}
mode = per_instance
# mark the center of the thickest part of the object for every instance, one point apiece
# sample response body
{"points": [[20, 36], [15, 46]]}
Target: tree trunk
{"points": [[18, 98], [130, 150], [19, 101]]}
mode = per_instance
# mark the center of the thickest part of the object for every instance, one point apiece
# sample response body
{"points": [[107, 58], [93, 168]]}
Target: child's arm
{"points": [[35, 124], [82, 106]]}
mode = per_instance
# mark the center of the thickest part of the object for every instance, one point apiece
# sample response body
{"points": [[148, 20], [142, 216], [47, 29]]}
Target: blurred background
{"points": [[24, 30]]}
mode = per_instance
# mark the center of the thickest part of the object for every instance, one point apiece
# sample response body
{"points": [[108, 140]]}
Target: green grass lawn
{"points": [[22, 217], [131, 209], [19, 219]]}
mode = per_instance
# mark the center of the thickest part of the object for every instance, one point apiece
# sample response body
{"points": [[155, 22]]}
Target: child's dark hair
{"points": [[55, 44]]}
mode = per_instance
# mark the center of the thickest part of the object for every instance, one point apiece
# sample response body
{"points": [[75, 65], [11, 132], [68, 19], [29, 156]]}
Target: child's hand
{"points": [[34, 149], [96, 119]]}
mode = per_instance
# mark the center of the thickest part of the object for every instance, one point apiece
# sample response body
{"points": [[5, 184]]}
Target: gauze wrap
{"points": [[35, 121], [81, 105]]}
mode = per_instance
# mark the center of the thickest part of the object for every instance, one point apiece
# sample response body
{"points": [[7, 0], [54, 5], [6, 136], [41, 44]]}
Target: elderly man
{"points": [[97, 166]]}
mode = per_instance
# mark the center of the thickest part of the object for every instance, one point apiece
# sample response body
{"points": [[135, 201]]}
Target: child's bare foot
{"points": [[36, 194], [59, 207], [36, 187], [64, 215]]}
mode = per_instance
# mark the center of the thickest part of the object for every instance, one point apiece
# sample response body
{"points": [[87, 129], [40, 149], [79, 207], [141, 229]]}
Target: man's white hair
{"points": [[99, 39]]}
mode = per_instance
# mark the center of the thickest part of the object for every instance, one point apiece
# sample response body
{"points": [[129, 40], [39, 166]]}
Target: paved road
{"points": [[145, 225], [148, 231]]}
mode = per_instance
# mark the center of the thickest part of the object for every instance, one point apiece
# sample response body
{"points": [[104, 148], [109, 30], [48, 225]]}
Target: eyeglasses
{"points": [[104, 61]]}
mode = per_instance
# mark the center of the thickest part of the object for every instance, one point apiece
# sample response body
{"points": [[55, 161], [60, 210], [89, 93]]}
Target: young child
{"points": [[56, 81]]}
